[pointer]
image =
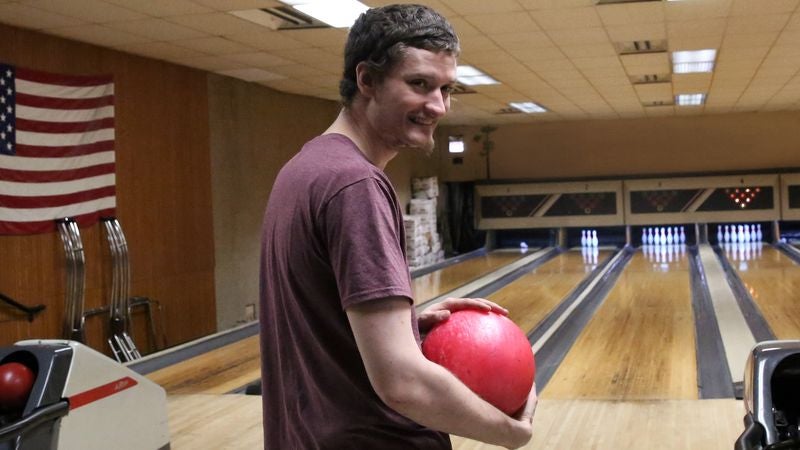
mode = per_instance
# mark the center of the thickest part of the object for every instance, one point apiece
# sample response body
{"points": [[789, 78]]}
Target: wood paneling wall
{"points": [[163, 198], [629, 147]]}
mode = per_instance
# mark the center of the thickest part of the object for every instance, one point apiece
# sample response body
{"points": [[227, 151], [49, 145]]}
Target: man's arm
{"points": [[420, 389]]}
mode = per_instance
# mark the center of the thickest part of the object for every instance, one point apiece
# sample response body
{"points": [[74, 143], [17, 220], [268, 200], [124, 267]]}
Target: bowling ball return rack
{"points": [[772, 397], [82, 399]]}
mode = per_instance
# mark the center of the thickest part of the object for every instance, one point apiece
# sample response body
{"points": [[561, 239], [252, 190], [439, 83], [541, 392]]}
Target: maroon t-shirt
{"points": [[332, 238]]}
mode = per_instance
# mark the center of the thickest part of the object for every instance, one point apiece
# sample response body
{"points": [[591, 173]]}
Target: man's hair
{"points": [[380, 37]]}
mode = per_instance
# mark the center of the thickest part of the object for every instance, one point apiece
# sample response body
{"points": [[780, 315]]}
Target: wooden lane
{"points": [[773, 281], [530, 298], [436, 283], [235, 365], [612, 425], [234, 422], [215, 372], [639, 345]]}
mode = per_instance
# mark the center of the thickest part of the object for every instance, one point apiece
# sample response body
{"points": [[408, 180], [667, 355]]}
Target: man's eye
{"points": [[448, 89]]}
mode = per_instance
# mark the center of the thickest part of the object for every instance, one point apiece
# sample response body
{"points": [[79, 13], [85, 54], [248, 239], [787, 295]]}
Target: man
{"points": [[342, 366]]}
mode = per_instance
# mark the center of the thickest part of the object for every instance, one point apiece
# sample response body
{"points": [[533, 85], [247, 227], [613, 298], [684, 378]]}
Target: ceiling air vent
{"points": [[508, 110], [651, 78], [459, 89], [613, 2], [643, 46], [280, 18], [657, 103]]}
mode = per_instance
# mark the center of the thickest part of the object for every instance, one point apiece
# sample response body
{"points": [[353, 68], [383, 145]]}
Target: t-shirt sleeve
{"points": [[362, 231]]}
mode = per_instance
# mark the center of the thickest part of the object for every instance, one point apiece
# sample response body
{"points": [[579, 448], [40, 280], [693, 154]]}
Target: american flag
{"points": [[56, 149]]}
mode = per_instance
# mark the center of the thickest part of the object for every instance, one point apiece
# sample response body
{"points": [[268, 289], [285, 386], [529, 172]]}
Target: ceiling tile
{"points": [[98, 35], [585, 36], [589, 51], [37, 19], [693, 10], [321, 37], [95, 11], [156, 29], [267, 40], [214, 45], [217, 24], [656, 92], [567, 19], [234, 5], [752, 8], [500, 23], [752, 24], [555, 4], [631, 13], [259, 59], [636, 32], [646, 64], [162, 8], [466, 7], [523, 40], [160, 50]]}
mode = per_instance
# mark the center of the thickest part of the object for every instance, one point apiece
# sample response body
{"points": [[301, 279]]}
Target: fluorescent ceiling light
{"points": [[527, 107], [456, 144], [693, 61], [336, 13], [690, 99], [470, 76]]}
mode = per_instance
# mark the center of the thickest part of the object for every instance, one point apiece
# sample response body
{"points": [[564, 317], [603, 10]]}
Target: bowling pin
{"points": [[649, 235], [726, 237], [719, 234], [594, 238], [747, 233], [683, 235], [583, 238], [669, 235], [663, 236], [759, 235]]}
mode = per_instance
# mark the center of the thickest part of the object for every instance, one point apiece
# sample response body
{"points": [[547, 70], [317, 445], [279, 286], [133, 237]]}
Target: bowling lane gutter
{"points": [[197, 347], [552, 339], [758, 325], [713, 374], [493, 281], [789, 250], [449, 262], [752, 316]]}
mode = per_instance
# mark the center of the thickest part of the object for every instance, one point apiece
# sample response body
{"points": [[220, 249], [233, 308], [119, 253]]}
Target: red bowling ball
{"points": [[488, 352], [16, 382]]}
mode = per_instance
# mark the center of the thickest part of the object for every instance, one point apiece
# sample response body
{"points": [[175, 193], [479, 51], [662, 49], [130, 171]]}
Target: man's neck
{"points": [[349, 123]]}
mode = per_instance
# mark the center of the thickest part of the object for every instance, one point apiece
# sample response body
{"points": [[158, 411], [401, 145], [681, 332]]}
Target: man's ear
{"points": [[365, 80]]}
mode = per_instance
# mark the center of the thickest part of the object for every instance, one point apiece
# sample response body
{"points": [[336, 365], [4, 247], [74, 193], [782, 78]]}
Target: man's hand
{"points": [[441, 311]]}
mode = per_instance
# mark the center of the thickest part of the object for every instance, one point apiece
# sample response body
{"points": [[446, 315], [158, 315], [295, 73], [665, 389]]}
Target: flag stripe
{"points": [[46, 164], [35, 151], [63, 115], [67, 80], [37, 214], [54, 90], [49, 225], [50, 176], [30, 190], [38, 126], [63, 103], [51, 201], [60, 140]]}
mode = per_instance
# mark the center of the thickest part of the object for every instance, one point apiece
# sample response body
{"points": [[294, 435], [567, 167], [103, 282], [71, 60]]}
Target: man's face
{"points": [[408, 103]]}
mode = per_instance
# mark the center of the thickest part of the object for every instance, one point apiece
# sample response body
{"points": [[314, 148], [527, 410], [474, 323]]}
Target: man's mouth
{"points": [[423, 121]]}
